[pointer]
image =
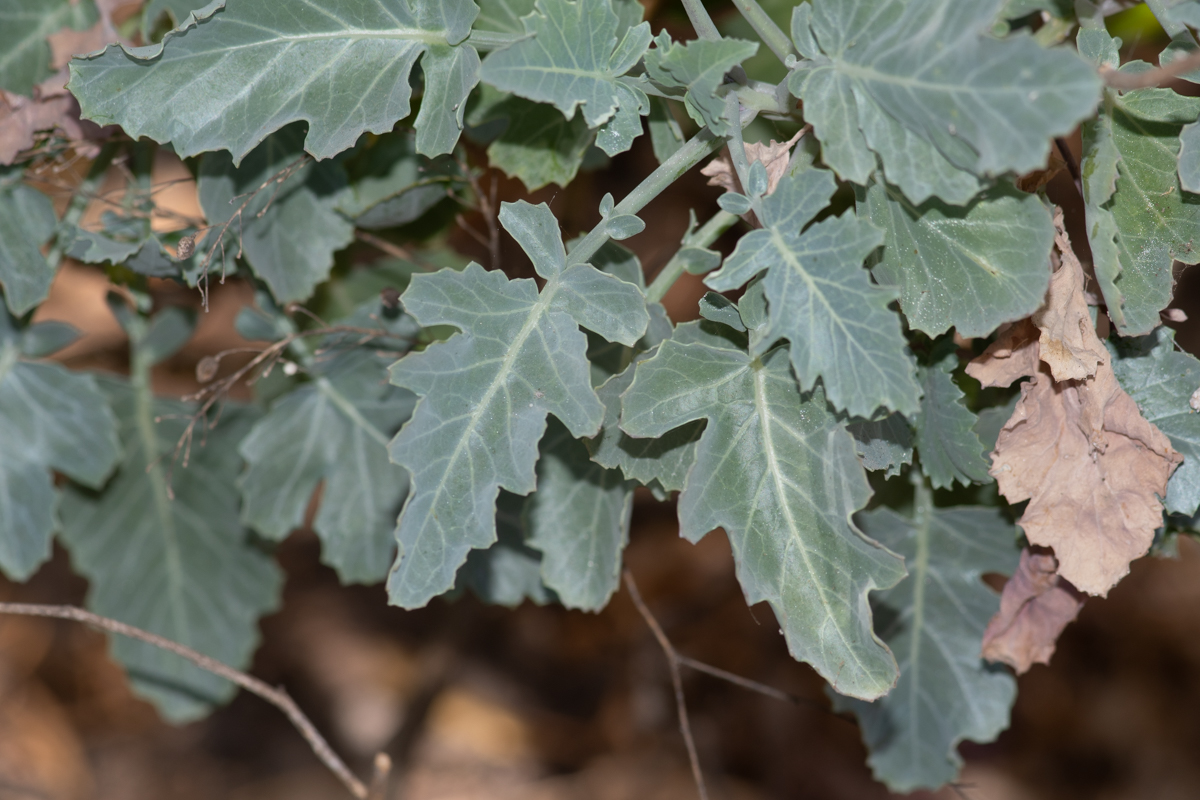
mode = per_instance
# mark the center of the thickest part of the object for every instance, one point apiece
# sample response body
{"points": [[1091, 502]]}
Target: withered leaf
{"points": [[1034, 608], [1068, 341], [774, 156], [1014, 355], [21, 117]]}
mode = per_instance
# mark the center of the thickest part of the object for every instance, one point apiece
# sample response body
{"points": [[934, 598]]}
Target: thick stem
{"points": [[708, 233], [771, 34], [692, 152], [701, 21]]}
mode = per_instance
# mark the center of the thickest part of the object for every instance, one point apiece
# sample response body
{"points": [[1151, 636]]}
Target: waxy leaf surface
{"points": [[838, 323], [24, 26], [933, 621], [485, 392], [698, 67], [946, 439], [245, 70], [779, 473]]}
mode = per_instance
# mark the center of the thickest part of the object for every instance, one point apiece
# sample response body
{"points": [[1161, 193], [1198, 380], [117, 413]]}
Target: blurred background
{"points": [[473, 701]]}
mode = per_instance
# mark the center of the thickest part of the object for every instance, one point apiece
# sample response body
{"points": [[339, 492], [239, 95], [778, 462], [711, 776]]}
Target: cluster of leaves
{"points": [[487, 433]]}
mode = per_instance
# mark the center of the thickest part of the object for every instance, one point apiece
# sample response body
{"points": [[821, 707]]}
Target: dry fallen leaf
{"points": [[1068, 341], [1077, 448], [774, 156], [22, 117], [1035, 607]]}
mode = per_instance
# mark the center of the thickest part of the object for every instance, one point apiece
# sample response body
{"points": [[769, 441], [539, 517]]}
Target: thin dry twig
{"points": [[275, 696], [1152, 77], [383, 245], [486, 205], [738, 680], [668, 649]]}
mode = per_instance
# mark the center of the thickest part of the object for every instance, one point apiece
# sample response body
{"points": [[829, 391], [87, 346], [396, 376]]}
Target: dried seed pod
{"points": [[186, 246], [206, 368]]}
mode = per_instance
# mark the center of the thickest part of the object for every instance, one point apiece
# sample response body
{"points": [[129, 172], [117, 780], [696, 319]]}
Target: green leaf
{"points": [[579, 519], [946, 439], [838, 323], [934, 620], [485, 392], [699, 67], [1162, 381], [174, 11], [24, 26], [43, 339], [883, 445], [50, 419], [1139, 220], [665, 134], [510, 571], [1189, 158], [335, 431], [231, 77], [573, 58], [391, 184], [163, 549], [288, 231], [26, 221], [970, 267], [777, 471], [539, 146], [982, 106]]}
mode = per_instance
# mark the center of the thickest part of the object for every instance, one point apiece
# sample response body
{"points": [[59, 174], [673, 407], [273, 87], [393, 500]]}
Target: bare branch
{"points": [[738, 680], [275, 696], [1152, 77], [383, 245]]}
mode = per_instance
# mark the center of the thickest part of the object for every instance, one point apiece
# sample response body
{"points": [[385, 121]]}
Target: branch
{"points": [[1152, 77], [276, 697]]}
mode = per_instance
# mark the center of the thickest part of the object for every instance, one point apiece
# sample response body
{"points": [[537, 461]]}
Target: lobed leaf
{"points": [[510, 571], [933, 621], [485, 392], [235, 73], [838, 323], [776, 470], [27, 220], [883, 445], [924, 87], [698, 67], [945, 429]]}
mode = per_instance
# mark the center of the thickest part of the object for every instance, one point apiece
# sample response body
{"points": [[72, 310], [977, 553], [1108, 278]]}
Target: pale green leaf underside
{"points": [[779, 473], [50, 419], [184, 568], [922, 85], [24, 26], [838, 323], [698, 67], [288, 233], [26, 221], [333, 430], [579, 519], [969, 267], [247, 70], [1144, 222], [1161, 381], [949, 448], [934, 620], [485, 393]]}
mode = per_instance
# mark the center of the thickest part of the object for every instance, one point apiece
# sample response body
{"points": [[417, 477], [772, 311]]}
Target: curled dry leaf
{"points": [[1034, 608], [774, 156], [1077, 448], [1067, 342], [22, 117]]}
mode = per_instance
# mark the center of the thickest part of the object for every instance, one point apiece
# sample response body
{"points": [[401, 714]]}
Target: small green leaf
{"points": [[983, 106], [50, 419], [539, 146], [510, 571], [348, 66], [288, 231], [579, 519], [717, 308], [970, 267], [24, 26], [624, 226], [734, 203], [822, 300], [43, 339], [573, 58], [391, 184], [778, 472], [1163, 382], [699, 68], [946, 439], [486, 391], [162, 548], [933, 620], [26, 221], [665, 134], [883, 445]]}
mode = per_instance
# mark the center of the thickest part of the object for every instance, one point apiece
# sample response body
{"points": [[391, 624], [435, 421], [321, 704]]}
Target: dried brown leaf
{"points": [[1032, 181], [68, 42], [1014, 355], [1093, 470], [1034, 608], [1068, 341], [774, 156], [22, 117]]}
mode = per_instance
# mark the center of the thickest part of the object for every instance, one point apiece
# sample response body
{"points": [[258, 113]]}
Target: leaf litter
{"points": [[1076, 447]]}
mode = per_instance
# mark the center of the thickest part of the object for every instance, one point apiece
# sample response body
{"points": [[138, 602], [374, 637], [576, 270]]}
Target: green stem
{"points": [[701, 21], [493, 40], [737, 152], [771, 34], [692, 152], [708, 233]]}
